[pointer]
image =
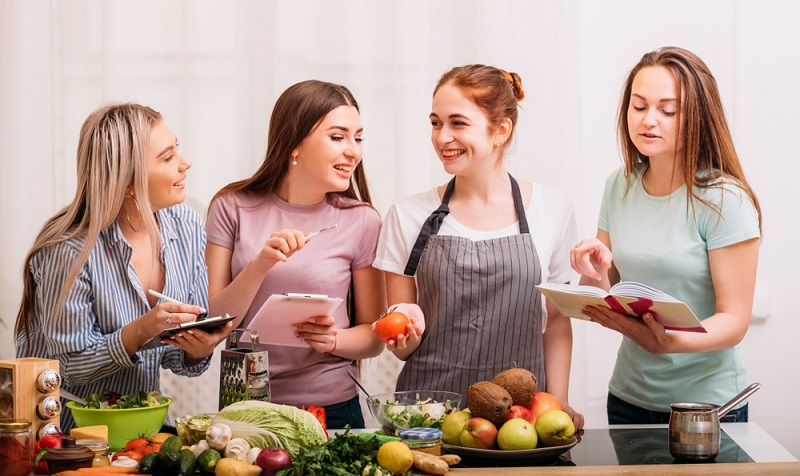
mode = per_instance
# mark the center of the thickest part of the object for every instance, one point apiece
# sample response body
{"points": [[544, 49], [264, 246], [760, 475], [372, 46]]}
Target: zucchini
{"points": [[207, 460], [149, 463], [186, 463], [170, 452]]}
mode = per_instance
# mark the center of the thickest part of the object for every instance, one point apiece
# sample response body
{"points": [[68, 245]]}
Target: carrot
{"points": [[99, 471]]}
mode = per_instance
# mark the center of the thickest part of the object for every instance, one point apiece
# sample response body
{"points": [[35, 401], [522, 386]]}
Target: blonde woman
{"points": [[85, 300]]}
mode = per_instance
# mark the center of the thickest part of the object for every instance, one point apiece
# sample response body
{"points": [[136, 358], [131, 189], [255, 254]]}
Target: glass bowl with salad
{"points": [[411, 409]]}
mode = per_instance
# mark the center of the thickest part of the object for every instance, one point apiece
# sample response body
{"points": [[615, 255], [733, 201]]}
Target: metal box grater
{"points": [[244, 373]]}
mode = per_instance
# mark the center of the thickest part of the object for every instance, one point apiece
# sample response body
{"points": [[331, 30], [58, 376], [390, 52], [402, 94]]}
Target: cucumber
{"points": [[149, 463], [207, 460], [170, 452], [186, 463]]}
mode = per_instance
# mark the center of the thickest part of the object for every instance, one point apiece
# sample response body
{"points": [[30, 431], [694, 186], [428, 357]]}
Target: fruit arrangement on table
{"points": [[509, 417]]}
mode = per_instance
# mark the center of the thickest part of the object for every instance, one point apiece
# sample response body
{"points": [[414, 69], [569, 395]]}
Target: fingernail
{"points": [[313, 321], [178, 335], [297, 335], [202, 310], [189, 331]]}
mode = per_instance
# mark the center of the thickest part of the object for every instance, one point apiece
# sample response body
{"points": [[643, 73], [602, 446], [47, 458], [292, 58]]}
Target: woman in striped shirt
{"points": [[85, 300]]}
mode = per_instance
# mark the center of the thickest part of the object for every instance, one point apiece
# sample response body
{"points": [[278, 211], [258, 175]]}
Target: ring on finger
{"points": [[169, 318]]}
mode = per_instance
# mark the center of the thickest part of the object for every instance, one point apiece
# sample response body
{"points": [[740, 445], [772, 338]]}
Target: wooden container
{"points": [[25, 385]]}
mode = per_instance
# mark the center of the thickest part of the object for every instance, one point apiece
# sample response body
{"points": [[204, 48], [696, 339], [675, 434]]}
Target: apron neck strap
{"points": [[434, 222]]}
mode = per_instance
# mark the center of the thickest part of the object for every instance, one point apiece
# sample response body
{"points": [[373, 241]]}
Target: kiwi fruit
{"points": [[488, 400], [520, 383]]}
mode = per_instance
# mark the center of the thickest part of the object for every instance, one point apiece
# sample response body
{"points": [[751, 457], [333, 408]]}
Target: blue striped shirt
{"points": [[86, 335]]}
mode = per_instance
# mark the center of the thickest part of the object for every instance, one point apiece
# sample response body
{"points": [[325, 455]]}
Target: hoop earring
{"points": [[129, 218]]}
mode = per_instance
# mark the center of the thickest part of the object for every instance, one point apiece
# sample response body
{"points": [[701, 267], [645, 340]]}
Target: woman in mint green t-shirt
{"points": [[681, 217]]}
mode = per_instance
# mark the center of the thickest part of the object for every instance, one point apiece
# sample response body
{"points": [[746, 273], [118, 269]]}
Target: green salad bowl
{"points": [[411, 409], [124, 424]]}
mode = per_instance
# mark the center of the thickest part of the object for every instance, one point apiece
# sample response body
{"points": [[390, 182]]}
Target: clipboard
{"points": [[275, 320], [209, 325]]}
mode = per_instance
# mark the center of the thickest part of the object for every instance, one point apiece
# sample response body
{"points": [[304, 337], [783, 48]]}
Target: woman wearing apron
{"points": [[471, 253]]}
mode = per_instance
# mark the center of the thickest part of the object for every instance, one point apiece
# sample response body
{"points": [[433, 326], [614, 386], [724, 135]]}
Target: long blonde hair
{"points": [[112, 153]]}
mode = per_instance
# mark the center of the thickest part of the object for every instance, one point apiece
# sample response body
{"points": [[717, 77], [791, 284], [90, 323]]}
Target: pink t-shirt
{"points": [[242, 222]]}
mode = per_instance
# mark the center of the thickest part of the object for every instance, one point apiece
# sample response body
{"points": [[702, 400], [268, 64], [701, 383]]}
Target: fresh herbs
{"points": [[343, 455], [115, 400]]}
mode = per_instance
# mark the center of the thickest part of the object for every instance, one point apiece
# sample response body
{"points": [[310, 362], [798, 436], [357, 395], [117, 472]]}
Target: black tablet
{"points": [[209, 325]]}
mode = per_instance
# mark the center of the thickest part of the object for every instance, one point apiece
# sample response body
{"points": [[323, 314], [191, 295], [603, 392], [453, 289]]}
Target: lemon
{"points": [[395, 456]]}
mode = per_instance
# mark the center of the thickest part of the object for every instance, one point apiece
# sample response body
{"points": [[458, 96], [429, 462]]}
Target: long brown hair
{"points": [[296, 114], [496, 92], [112, 153], [702, 131]]}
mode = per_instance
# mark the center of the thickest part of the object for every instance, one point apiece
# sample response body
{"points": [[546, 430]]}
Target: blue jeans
{"points": [[621, 412], [346, 413]]}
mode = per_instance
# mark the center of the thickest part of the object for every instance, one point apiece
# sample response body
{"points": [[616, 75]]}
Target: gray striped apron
{"points": [[483, 313]]}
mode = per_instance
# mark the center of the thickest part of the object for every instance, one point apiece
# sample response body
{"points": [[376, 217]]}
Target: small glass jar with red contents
{"points": [[16, 447]]}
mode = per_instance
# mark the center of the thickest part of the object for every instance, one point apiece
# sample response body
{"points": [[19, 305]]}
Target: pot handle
{"points": [[751, 389]]}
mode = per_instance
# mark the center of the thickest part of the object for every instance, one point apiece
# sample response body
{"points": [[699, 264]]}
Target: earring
{"points": [[129, 218], [294, 162]]}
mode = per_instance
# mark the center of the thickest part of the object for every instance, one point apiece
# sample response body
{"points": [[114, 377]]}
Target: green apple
{"points": [[517, 434], [555, 428], [452, 426]]}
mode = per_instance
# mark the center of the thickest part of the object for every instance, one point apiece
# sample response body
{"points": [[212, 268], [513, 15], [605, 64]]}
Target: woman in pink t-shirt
{"points": [[312, 177]]}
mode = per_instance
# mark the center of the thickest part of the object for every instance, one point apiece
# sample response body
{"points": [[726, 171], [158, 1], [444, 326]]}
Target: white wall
{"points": [[214, 70]]}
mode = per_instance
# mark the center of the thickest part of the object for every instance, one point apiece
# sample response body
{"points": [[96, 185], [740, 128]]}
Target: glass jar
{"points": [[16, 447], [427, 440], [101, 451]]}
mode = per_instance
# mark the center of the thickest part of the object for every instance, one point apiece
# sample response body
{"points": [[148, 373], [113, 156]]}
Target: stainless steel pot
{"points": [[694, 433]]}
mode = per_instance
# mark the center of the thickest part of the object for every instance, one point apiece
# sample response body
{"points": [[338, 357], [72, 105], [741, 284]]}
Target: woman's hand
{"points": [[590, 257], [577, 418], [647, 332], [415, 328], [319, 332], [280, 246], [197, 343], [166, 315]]}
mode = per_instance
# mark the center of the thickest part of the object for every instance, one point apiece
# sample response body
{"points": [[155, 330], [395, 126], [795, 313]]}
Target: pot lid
{"points": [[69, 451]]}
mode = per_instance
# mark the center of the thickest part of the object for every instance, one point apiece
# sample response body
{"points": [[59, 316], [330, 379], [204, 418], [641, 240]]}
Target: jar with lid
{"points": [[16, 447], [427, 440], [101, 451]]}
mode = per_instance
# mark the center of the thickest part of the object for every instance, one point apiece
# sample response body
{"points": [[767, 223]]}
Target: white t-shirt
{"points": [[551, 220]]}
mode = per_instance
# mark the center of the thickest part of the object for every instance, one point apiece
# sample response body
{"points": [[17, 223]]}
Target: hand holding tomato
{"points": [[401, 326]]}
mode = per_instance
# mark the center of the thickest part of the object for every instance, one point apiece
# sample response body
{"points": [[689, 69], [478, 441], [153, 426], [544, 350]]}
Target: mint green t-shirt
{"points": [[661, 242]]}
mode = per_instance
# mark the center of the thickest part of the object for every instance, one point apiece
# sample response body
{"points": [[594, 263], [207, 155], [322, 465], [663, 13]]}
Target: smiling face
{"points": [[166, 168], [460, 132], [653, 113], [328, 156]]}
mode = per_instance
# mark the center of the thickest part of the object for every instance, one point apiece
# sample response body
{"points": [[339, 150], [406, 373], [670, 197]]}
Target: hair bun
{"points": [[516, 84]]}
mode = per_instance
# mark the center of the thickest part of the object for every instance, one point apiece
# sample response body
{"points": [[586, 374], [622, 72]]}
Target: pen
{"points": [[317, 233], [157, 294]]}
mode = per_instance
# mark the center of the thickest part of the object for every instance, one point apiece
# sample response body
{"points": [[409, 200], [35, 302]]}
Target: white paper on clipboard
{"points": [[275, 320]]}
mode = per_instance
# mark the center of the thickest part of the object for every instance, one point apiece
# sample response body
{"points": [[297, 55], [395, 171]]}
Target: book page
{"points": [[638, 290]]}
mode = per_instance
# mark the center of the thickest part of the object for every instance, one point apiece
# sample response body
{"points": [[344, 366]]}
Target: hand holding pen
{"points": [[202, 315], [283, 244]]}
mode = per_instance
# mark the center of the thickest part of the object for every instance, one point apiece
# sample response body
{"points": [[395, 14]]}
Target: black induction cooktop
{"points": [[625, 446]]}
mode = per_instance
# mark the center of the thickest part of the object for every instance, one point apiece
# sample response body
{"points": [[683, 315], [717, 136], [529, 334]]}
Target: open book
{"points": [[626, 297]]}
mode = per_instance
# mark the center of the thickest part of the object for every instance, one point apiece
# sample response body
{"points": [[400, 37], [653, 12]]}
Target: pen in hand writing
{"points": [[319, 232], [157, 294]]}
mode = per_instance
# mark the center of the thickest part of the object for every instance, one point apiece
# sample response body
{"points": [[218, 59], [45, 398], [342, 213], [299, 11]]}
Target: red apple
{"points": [[273, 460], [479, 433], [543, 402], [518, 411]]}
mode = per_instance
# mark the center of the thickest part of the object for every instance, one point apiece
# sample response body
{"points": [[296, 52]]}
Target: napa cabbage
{"points": [[265, 424]]}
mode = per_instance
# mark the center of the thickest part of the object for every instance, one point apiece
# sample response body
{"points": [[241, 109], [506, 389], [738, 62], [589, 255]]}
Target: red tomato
{"points": [[136, 442], [388, 327]]}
